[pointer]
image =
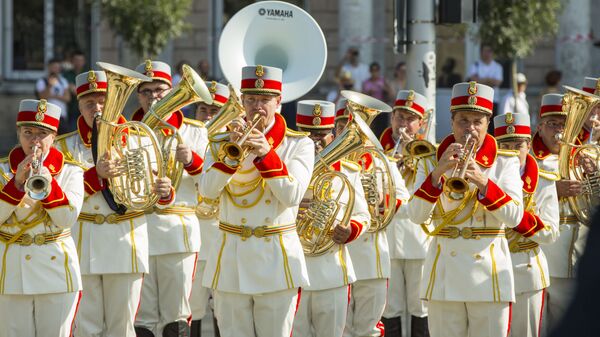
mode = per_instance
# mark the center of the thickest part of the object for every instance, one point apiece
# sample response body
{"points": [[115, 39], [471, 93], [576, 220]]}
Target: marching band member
{"points": [[112, 278], [591, 128], [371, 260], [257, 266], [173, 231], [322, 311], [40, 283], [538, 226], [468, 278], [408, 242], [207, 212]]}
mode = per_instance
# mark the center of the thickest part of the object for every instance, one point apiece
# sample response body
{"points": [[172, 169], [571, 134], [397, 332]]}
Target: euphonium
{"points": [[133, 144], [231, 110], [457, 186], [37, 185], [191, 89], [315, 226], [579, 162]]}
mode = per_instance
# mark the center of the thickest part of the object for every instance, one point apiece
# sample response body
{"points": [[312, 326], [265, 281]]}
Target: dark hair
{"points": [[54, 60], [400, 64], [553, 77], [77, 52], [374, 64], [483, 45]]}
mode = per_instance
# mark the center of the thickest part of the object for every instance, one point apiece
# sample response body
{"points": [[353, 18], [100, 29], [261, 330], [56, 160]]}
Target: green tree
{"points": [[513, 27], [147, 25]]}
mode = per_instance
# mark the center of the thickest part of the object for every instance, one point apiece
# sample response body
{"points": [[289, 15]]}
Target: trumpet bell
{"points": [[456, 188], [364, 105], [37, 187], [277, 34]]}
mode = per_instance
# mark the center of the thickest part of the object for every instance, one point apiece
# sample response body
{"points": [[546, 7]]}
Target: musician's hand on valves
{"points": [[236, 128], [568, 188], [258, 144], [107, 168], [23, 172], [476, 176], [183, 154], [449, 160], [341, 233], [162, 187]]}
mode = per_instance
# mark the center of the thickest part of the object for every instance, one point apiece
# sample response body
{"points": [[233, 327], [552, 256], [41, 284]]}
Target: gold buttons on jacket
{"points": [[268, 220], [53, 258], [478, 257], [244, 202], [96, 207], [27, 257], [244, 220], [452, 253], [268, 201]]}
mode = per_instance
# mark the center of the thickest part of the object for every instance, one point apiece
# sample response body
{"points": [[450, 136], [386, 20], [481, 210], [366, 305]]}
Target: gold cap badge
{"points": [[509, 119], [148, 68], [91, 78], [510, 129], [410, 98], [472, 100], [472, 88], [317, 121], [259, 83], [260, 71], [41, 110], [317, 110]]}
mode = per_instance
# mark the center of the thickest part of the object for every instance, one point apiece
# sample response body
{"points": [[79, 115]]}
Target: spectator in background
{"points": [[178, 72], [204, 71], [376, 85], [449, 78], [77, 64], [351, 63], [55, 89], [553, 78], [399, 81], [508, 102], [489, 72], [344, 81]]}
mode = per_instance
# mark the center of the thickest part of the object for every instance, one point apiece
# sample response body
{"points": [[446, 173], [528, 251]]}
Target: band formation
{"points": [[126, 228]]}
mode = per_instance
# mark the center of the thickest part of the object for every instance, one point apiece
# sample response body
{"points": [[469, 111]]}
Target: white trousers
{"points": [[38, 315], [264, 315], [322, 313], [108, 305], [473, 319], [200, 295], [166, 291], [404, 288], [367, 302], [558, 297], [527, 314]]}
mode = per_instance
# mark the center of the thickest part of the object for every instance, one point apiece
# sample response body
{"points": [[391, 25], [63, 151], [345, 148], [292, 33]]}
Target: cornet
{"points": [[403, 138], [37, 185], [234, 150], [457, 186]]}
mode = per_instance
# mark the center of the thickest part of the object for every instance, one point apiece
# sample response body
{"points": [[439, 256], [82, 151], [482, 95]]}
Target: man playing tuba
{"points": [[324, 304], [468, 277]]}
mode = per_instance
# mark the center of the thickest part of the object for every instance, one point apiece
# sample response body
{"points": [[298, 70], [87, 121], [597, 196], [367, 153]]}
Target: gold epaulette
{"points": [[508, 153], [194, 122], [548, 175], [296, 134], [352, 166]]}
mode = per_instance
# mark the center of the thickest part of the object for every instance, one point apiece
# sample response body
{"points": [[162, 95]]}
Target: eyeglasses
{"points": [[152, 93], [555, 125]]}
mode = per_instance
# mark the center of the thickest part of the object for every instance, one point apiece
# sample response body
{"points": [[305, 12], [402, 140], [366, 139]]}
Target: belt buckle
{"points": [[111, 219], [453, 232], [99, 219], [466, 233], [39, 239], [26, 240], [259, 232], [246, 232]]}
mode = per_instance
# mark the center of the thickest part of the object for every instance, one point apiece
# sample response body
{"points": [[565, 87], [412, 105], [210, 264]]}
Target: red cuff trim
{"points": [[387, 202], [195, 167], [428, 192], [224, 167], [356, 228], [271, 166], [56, 197], [11, 194], [169, 199], [495, 197], [529, 225], [91, 181]]}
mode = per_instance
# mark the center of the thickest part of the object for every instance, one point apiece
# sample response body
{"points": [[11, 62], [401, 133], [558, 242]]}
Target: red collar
{"points": [[583, 136], [54, 160], [277, 133], [387, 140], [485, 156], [540, 150], [337, 166], [176, 119], [85, 131], [366, 161], [530, 175]]}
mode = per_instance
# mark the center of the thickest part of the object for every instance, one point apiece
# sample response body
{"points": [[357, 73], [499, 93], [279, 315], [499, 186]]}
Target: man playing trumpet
{"points": [[468, 277], [324, 306], [40, 283]]}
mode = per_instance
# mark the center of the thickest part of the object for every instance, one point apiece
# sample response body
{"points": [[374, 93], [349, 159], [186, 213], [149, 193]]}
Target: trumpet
{"points": [[403, 138], [37, 185], [234, 150], [457, 186]]}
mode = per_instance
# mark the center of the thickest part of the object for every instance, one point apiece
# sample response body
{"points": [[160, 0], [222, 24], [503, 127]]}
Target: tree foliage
{"points": [[513, 27], [146, 25]]}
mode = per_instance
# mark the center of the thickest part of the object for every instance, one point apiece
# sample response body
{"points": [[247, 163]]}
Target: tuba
{"points": [[133, 144], [378, 183], [37, 186], [579, 162], [315, 226], [191, 89]]}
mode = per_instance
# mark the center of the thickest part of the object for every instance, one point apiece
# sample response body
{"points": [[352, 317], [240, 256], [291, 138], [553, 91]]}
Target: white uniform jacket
{"points": [[118, 245], [175, 229], [265, 192], [538, 226], [38, 253], [334, 268], [370, 253], [469, 259], [564, 253]]}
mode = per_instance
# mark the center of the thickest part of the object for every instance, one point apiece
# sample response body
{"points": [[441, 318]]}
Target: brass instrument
{"points": [[404, 137], [231, 110], [378, 182], [37, 185], [456, 186], [133, 144], [419, 146], [579, 162], [191, 89], [235, 150], [315, 226]]}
